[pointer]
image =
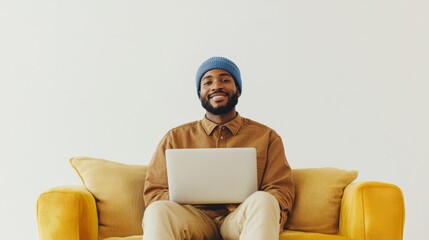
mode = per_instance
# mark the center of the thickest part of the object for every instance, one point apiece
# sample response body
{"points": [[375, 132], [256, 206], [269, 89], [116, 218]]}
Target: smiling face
{"points": [[218, 92]]}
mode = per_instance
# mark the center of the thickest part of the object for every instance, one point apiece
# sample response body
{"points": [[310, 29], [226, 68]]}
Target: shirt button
{"points": [[221, 137]]}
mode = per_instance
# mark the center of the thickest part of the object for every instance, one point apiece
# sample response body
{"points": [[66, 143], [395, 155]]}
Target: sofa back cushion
{"points": [[318, 195], [118, 191]]}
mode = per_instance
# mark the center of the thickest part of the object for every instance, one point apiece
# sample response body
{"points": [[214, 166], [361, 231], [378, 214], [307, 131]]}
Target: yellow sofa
{"points": [[328, 205]]}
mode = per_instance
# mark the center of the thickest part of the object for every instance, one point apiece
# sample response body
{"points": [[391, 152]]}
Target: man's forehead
{"points": [[216, 71]]}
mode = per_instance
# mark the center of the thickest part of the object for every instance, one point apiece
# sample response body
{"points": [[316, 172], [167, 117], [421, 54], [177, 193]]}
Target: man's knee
{"points": [[263, 198], [263, 204], [158, 210]]}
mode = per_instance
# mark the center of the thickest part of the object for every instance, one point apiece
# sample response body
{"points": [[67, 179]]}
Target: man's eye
{"points": [[207, 83]]}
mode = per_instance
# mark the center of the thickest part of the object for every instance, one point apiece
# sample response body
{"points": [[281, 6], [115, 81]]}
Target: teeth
{"points": [[218, 97]]}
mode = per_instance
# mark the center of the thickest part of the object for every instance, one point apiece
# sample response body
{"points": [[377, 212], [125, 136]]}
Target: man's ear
{"points": [[238, 93]]}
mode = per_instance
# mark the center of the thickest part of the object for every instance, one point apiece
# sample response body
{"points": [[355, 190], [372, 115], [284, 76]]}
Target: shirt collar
{"points": [[234, 125]]}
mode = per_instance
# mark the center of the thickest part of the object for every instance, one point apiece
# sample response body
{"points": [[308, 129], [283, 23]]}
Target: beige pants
{"points": [[256, 218]]}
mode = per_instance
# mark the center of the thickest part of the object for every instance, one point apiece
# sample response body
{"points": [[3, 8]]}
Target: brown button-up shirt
{"points": [[274, 173]]}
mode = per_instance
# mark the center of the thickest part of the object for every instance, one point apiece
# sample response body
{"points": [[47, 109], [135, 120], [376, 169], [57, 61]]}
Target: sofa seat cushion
{"points": [[295, 235], [286, 235], [125, 238]]}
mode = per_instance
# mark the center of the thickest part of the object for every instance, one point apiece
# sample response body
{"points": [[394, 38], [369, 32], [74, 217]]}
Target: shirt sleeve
{"points": [[156, 184], [277, 178]]}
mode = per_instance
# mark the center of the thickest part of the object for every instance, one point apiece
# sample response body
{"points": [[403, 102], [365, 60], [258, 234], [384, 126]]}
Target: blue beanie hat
{"points": [[218, 63]]}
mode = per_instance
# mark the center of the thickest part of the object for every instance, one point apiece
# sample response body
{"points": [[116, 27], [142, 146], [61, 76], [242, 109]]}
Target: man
{"points": [[263, 214]]}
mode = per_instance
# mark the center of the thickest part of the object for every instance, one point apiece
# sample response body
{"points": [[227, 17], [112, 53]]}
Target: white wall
{"points": [[344, 82]]}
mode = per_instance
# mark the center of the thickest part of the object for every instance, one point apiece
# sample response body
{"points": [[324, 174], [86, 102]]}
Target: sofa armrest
{"points": [[67, 213], [372, 210]]}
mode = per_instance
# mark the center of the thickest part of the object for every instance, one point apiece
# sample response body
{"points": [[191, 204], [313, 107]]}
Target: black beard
{"points": [[232, 102]]}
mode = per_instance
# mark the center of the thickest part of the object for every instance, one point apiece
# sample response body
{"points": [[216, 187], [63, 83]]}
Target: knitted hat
{"points": [[218, 63]]}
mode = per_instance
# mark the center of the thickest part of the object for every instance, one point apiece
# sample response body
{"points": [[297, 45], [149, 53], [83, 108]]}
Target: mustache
{"points": [[219, 91]]}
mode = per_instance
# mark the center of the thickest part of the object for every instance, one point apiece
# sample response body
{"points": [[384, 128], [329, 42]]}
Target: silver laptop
{"points": [[211, 175]]}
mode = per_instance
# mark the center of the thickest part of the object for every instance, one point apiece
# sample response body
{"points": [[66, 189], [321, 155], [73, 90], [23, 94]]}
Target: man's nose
{"points": [[217, 84]]}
